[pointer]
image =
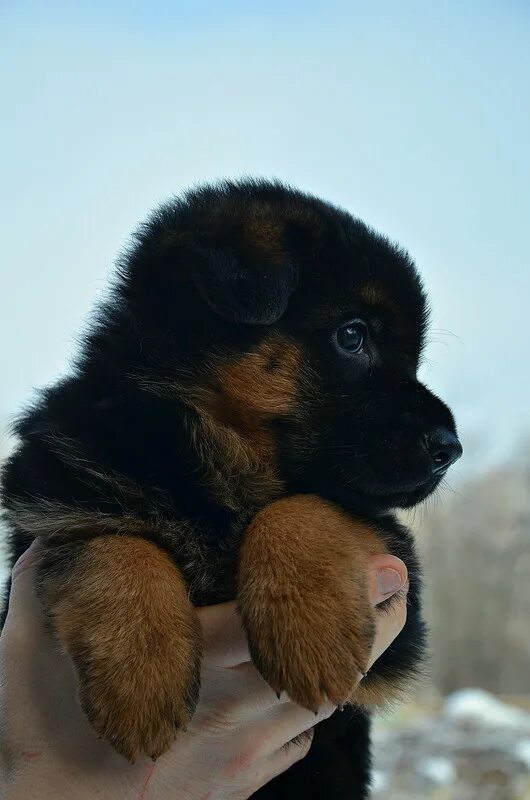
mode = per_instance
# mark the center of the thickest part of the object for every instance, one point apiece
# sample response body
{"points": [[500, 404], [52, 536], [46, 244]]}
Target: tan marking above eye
{"points": [[373, 294]]}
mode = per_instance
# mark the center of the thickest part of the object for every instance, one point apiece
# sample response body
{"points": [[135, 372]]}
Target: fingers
{"points": [[247, 692], [284, 757], [38, 681], [24, 614], [225, 644], [224, 639], [27, 559], [289, 721], [283, 735]]}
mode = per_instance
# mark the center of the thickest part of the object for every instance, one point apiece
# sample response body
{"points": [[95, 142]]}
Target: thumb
{"points": [[386, 575]]}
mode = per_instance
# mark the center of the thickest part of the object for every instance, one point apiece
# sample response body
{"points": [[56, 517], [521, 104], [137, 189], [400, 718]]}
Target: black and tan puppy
{"points": [[243, 420]]}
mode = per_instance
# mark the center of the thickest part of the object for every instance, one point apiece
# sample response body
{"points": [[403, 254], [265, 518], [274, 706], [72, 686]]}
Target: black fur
{"points": [[205, 280]]}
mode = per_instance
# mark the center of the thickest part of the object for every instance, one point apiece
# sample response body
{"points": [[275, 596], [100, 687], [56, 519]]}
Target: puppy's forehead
{"points": [[344, 265], [334, 250], [359, 271], [345, 268]]}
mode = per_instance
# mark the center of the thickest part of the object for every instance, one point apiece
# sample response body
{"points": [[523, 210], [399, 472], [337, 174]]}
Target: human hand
{"points": [[239, 738]]}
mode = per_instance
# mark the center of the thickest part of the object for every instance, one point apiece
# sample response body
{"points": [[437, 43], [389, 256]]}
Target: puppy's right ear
{"points": [[243, 292]]}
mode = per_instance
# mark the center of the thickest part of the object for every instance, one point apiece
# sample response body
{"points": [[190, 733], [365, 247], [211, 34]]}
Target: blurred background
{"points": [[415, 116]]}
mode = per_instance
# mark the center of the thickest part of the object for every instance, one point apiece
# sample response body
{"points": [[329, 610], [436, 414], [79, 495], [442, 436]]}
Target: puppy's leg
{"points": [[303, 598], [120, 608]]}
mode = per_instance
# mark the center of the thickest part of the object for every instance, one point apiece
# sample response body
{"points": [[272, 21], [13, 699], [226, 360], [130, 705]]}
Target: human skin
{"points": [[238, 740]]}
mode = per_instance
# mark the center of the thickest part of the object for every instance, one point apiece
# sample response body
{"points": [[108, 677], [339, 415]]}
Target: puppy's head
{"points": [[299, 329]]}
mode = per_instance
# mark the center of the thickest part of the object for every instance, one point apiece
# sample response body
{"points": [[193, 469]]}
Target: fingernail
{"points": [[388, 581]]}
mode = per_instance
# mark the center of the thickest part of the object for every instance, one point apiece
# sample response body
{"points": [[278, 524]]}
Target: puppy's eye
{"points": [[352, 336]]}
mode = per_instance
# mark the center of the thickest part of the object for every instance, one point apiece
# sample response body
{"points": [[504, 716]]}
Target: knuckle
{"points": [[243, 760], [299, 747], [300, 751], [305, 747], [215, 723], [326, 712], [224, 717], [30, 557]]}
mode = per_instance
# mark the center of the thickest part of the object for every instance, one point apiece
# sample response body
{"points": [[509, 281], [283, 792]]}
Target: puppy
{"points": [[242, 422]]}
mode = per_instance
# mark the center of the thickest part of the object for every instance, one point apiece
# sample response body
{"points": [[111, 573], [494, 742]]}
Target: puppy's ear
{"points": [[241, 291]]}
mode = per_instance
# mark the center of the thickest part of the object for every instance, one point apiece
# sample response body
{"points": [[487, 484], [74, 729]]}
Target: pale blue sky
{"points": [[413, 115]]}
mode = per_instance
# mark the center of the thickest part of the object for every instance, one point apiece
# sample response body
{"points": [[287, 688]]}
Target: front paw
{"points": [[303, 601], [307, 643], [120, 609], [138, 700]]}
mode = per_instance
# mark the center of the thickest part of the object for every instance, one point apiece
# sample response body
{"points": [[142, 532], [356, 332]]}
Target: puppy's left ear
{"points": [[243, 292]]}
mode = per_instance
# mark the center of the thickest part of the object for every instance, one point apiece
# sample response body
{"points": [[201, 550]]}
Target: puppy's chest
{"points": [[208, 561]]}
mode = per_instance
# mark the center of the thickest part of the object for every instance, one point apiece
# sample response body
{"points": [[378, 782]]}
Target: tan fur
{"points": [[303, 598], [238, 472], [265, 380], [264, 235], [375, 691], [121, 611], [373, 294], [232, 404], [235, 407]]}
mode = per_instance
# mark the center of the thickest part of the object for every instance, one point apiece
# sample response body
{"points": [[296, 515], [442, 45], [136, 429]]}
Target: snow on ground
{"points": [[474, 748], [479, 707]]}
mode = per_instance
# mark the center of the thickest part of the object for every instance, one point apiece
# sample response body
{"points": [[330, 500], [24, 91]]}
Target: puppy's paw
{"points": [[312, 642], [138, 694], [134, 638], [303, 599]]}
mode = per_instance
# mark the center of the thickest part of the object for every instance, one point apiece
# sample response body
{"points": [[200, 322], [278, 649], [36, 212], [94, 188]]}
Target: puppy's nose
{"points": [[444, 449]]}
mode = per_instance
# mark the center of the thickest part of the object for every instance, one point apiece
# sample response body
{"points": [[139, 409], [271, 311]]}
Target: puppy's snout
{"points": [[444, 449]]}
